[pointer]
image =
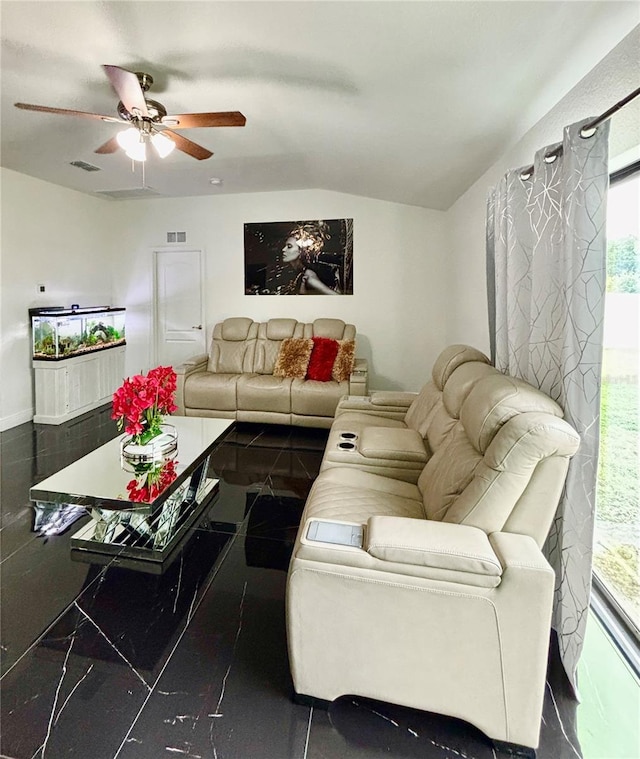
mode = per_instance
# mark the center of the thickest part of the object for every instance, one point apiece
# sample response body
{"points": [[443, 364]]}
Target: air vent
{"points": [[139, 192], [176, 236], [85, 166]]}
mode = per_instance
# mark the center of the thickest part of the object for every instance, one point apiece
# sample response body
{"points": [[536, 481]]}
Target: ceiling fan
{"points": [[148, 120]]}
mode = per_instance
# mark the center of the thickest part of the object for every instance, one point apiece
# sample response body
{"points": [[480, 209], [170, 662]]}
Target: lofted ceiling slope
{"points": [[403, 101]]}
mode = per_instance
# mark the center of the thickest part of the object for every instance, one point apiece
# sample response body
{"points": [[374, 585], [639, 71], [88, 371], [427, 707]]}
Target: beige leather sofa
{"points": [[235, 379], [445, 605]]}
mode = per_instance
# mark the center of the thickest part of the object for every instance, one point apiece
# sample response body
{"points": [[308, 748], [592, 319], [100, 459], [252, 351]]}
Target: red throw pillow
{"points": [[323, 356]]}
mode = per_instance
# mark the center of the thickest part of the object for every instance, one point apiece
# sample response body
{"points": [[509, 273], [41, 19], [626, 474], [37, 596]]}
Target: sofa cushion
{"points": [[428, 404], [311, 398], [520, 477], [353, 496], [270, 336], [335, 329], [280, 329], [448, 472], [206, 390], [322, 359], [293, 357], [419, 413], [264, 392], [494, 400], [232, 346], [450, 359], [236, 328], [343, 365], [446, 413]]}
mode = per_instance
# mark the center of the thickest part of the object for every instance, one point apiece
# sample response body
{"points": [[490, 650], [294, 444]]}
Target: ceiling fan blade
{"points": [[128, 89], [65, 112], [186, 146], [110, 146], [192, 120]]}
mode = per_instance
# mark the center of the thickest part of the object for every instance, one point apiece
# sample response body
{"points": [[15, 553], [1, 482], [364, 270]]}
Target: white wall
{"points": [[611, 80], [51, 236], [399, 301]]}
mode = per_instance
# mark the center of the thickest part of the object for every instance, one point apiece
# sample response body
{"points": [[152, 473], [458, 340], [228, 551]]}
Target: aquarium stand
{"points": [[69, 387]]}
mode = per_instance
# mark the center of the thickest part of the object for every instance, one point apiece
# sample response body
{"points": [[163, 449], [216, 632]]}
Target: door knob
{"points": [[198, 327]]}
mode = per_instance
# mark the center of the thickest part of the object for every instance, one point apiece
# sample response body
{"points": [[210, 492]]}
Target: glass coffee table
{"points": [[142, 532]]}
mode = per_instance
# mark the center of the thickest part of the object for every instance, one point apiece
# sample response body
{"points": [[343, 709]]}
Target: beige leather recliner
{"points": [[446, 606], [362, 438]]}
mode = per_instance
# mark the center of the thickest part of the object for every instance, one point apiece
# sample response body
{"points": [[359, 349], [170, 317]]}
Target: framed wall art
{"points": [[313, 257]]}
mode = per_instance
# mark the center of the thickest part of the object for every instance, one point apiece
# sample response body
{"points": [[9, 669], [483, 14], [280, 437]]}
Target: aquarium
{"points": [[59, 333]]}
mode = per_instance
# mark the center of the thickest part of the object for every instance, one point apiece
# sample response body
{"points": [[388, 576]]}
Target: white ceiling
{"points": [[404, 101]]}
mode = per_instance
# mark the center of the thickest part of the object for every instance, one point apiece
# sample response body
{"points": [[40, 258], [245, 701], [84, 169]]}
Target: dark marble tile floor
{"points": [[101, 660]]}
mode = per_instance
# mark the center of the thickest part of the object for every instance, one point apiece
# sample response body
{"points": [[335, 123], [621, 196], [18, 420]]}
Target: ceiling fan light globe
{"points": [[128, 138], [163, 145], [137, 152]]}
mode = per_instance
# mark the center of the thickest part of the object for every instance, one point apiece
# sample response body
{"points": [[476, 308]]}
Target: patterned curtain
{"points": [[546, 269]]}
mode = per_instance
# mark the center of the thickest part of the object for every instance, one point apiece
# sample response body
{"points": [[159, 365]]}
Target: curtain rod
{"points": [[588, 130]]}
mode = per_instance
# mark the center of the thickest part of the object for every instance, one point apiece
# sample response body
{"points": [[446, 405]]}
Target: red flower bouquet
{"points": [[150, 483], [139, 404]]}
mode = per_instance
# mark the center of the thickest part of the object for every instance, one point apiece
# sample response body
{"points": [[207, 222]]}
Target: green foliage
{"points": [[619, 466], [618, 563], [623, 265]]}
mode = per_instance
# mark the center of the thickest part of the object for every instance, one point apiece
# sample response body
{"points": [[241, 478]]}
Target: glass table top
{"points": [[98, 479]]}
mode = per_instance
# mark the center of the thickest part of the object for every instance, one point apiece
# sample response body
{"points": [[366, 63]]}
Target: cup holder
{"points": [[348, 435], [346, 446]]}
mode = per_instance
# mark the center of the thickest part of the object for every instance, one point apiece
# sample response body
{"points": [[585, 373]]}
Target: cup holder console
{"points": [[347, 441]]}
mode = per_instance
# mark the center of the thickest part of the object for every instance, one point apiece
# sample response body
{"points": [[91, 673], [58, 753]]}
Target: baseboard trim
{"points": [[7, 422]]}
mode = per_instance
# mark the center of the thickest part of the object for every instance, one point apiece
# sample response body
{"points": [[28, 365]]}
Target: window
{"points": [[617, 531]]}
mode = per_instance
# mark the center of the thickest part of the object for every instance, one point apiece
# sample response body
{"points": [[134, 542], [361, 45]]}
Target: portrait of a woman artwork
{"points": [[299, 257]]}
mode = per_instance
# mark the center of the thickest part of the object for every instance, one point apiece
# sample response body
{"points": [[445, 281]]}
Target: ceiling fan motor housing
{"points": [[156, 112]]}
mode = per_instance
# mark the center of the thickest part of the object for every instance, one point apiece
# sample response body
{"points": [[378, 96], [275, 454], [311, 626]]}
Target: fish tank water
{"points": [[59, 333]]}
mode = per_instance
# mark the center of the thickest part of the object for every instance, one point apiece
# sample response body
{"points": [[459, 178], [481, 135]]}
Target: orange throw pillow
{"points": [[343, 365], [293, 357]]}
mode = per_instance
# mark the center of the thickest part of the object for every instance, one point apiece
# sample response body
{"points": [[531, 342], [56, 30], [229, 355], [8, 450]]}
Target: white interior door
{"points": [[179, 305]]}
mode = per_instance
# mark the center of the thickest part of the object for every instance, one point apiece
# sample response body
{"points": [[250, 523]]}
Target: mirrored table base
{"points": [[143, 534]]}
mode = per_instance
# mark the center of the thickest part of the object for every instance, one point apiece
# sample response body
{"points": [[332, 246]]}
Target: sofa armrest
{"points": [[440, 545], [393, 398], [194, 364], [190, 366], [359, 379], [392, 444], [387, 403]]}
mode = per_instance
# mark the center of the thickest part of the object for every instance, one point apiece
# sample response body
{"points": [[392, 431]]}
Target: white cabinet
{"points": [[72, 386]]}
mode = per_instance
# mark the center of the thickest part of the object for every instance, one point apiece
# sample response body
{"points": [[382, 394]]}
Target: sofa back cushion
{"points": [[427, 408], [270, 337], [446, 413], [517, 484], [334, 329], [232, 346], [503, 464], [450, 359], [494, 400]]}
